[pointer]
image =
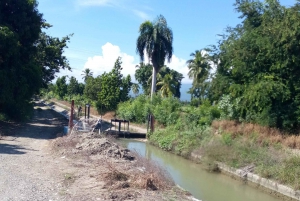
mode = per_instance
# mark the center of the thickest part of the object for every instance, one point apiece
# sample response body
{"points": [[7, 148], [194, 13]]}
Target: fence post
{"points": [[71, 116]]}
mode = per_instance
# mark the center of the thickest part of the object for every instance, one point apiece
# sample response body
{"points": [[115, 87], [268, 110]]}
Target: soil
{"points": [[38, 163]]}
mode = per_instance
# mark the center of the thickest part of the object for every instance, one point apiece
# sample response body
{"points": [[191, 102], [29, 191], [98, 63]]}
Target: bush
{"points": [[165, 110]]}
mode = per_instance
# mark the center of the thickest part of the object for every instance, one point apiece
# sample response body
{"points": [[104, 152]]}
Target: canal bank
{"points": [[258, 182], [211, 186]]}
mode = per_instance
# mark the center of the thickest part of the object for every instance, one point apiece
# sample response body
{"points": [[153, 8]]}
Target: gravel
{"points": [[28, 172]]}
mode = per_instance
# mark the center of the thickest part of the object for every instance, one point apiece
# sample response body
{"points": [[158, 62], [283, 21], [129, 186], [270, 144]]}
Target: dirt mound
{"points": [[105, 147], [92, 144]]}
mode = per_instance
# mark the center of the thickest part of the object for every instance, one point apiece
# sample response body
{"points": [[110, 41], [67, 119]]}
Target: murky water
{"points": [[192, 177]]}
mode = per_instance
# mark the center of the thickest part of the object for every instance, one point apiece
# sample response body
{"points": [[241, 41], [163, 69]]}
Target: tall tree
{"points": [[144, 78], [176, 79], [28, 57], [168, 86], [142, 74], [199, 71], [61, 88], [92, 88], [86, 74], [20, 27], [114, 88], [73, 86], [259, 63], [50, 55], [135, 88], [156, 39]]}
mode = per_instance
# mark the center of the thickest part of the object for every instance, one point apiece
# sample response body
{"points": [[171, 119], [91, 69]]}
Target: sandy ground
{"points": [[36, 164], [28, 171]]}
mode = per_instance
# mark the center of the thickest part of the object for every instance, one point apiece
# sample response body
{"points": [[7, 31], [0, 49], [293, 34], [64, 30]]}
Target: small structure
{"points": [[120, 121]]}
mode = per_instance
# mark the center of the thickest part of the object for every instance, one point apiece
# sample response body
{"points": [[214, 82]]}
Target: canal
{"points": [[202, 184]]}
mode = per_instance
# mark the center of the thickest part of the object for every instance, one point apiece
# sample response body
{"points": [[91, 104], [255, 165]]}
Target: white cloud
{"points": [[179, 65], [105, 62]]}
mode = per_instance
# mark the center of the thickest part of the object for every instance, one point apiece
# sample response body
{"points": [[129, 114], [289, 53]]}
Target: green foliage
{"points": [[168, 111], [165, 110], [169, 80], [135, 88], [73, 86], [227, 139], [135, 110], [257, 64], [179, 139], [28, 57], [61, 88], [50, 52], [114, 88], [156, 39], [92, 88], [142, 74], [20, 74], [86, 73], [78, 99]]}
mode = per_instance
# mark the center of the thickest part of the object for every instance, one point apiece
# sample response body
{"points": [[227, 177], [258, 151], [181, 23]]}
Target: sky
{"points": [[106, 29]]}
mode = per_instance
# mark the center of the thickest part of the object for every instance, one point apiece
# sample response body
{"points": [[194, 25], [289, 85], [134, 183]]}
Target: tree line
{"points": [[252, 71], [29, 57], [257, 66], [107, 90]]}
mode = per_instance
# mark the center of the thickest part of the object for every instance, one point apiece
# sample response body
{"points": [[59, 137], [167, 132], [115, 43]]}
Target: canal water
{"points": [[192, 177]]}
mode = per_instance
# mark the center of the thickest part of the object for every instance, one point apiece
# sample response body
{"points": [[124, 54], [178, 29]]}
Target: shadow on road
{"points": [[45, 124], [11, 149]]}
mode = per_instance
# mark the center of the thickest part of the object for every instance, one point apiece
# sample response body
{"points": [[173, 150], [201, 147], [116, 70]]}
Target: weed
{"points": [[69, 178], [227, 139]]}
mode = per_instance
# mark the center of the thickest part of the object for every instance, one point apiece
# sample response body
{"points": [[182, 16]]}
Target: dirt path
{"points": [[59, 107], [27, 169]]}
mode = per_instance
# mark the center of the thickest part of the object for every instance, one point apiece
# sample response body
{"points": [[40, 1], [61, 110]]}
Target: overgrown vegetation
{"points": [[29, 57]]}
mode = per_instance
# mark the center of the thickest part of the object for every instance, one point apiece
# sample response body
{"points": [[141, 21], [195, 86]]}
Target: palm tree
{"points": [[135, 88], [198, 67], [156, 40], [86, 74], [168, 86]]}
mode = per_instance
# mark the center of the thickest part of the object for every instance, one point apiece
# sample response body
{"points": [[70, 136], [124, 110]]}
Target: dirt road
{"points": [[27, 169]]}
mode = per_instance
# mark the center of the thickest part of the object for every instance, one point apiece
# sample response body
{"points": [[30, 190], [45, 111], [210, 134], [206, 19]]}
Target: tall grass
{"points": [[264, 135]]}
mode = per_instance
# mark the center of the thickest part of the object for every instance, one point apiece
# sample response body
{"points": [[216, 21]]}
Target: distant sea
{"points": [[183, 90]]}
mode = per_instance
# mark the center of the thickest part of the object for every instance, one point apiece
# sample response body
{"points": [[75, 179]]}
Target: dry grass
{"points": [[151, 175], [262, 134], [142, 174], [65, 142]]}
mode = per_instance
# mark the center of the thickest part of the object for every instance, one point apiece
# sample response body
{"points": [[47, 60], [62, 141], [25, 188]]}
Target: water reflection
{"points": [[202, 184]]}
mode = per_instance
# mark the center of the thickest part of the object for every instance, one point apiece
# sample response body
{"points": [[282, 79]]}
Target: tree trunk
{"points": [[153, 87]]}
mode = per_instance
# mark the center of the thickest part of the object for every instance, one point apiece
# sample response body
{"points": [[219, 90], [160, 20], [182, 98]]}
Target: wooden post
{"points": [[152, 122], [71, 116]]}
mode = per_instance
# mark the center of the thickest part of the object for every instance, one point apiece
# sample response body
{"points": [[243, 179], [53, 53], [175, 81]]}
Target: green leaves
{"points": [[29, 58], [258, 64], [114, 88], [156, 39]]}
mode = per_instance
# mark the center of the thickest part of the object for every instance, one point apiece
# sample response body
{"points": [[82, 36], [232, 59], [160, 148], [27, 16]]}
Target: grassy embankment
{"points": [[184, 130], [187, 130]]}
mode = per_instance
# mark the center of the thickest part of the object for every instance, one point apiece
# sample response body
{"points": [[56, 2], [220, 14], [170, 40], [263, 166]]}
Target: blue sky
{"points": [[106, 29]]}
